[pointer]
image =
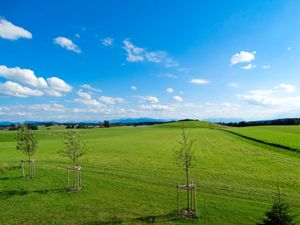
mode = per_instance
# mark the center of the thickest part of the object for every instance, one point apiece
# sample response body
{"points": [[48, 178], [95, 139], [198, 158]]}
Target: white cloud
{"points": [[134, 88], [178, 98], [233, 84], [249, 67], [84, 95], [170, 90], [242, 57], [86, 99], [134, 54], [289, 48], [137, 54], [107, 41], [58, 84], [265, 66], [273, 97], [24, 76], [151, 99], [12, 32], [199, 81], [89, 87], [28, 77], [47, 107], [284, 88], [15, 89], [89, 102], [111, 100], [53, 93], [156, 107], [66, 43]]}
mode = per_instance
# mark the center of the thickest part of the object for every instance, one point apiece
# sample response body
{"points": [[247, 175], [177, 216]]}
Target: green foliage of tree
{"points": [[106, 124], [278, 214], [26, 141], [185, 153], [74, 146]]}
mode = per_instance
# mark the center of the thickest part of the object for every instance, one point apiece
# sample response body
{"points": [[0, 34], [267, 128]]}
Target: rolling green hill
{"points": [[188, 124], [130, 173]]}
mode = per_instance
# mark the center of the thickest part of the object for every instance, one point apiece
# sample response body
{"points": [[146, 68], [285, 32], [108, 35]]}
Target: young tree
{"points": [[185, 156], [27, 143], [278, 214], [74, 149], [74, 146]]}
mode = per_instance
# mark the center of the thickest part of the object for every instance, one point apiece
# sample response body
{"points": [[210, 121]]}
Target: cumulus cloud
{"points": [[170, 90], [134, 88], [272, 97], [178, 98], [150, 99], [134, 54], [14, 89], [137, 54], [52, 86], [199, 81], [47, 107], [156, 107], [86, 99], [24, 76], [12, 32], [58, 84], [66, 43], [242, 57], [89, 87], [249, 67], [107, 41], [111, 100], [53, 93]]}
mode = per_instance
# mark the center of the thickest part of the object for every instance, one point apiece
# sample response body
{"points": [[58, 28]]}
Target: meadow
{"points": [[284, 135], [129, 174]]}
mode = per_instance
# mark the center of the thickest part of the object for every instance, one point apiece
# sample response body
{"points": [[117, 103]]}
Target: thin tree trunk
{"points": [[29, 167], [187, 190]]}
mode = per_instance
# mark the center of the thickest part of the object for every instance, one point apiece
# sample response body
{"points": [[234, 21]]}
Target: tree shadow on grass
{"points": [[11, 193], [159, 218], [11, 178], [50, 191], [145, 219]]}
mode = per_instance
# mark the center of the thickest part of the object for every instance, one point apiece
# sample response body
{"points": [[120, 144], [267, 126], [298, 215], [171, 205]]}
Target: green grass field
{"points": [[130, 173], [284, 135]]}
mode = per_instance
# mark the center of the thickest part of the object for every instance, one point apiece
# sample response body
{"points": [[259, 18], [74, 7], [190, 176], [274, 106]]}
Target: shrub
{"points": [[278, 214]]}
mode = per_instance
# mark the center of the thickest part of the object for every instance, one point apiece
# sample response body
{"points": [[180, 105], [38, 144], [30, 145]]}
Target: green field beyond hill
{"points": [[129, 173]]}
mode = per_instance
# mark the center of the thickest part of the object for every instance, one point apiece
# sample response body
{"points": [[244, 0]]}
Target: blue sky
{"points": [[95, 60]]}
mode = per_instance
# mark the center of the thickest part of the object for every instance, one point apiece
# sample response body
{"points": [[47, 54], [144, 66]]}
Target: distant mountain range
{"points": [[138, 120], [120, 121]]}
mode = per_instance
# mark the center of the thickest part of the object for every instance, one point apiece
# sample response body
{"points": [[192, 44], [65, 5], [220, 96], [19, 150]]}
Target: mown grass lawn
{"points": [[284, 135], [130, 173]]}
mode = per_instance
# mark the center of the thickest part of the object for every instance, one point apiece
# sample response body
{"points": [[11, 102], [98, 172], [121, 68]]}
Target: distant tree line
{"points": [[288, 121], [18, 126], [83, 125]]}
